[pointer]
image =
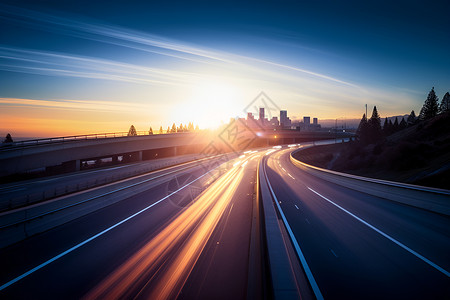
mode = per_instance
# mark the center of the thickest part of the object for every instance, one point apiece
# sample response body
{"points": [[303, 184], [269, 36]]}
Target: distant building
{"points": [[315, 122], [307, 121], [285, 122], [274, 122], [251, 122], [261, 115]]}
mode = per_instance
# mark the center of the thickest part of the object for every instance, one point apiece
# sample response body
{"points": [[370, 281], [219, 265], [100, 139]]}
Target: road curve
{"points": [[187, 237], [360, 246]]}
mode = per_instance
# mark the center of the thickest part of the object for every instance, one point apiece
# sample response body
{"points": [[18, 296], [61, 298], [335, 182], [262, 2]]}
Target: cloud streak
{"points": [[143, 42]]}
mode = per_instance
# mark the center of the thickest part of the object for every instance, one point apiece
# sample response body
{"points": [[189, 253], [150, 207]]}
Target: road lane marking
{"points": [[95, 236], [440, 269], [307, 221], [291, 176], [300, 255], [296, 206], [333, 253]]}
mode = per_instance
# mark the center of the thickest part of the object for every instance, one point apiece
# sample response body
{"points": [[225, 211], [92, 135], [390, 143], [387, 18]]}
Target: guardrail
{"points": [[21, 223], [51, 192], [93, 136], [284, 269], [431, 199]]}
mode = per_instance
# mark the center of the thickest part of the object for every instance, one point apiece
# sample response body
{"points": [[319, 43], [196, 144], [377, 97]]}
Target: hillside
{"points": [[419, 154]]}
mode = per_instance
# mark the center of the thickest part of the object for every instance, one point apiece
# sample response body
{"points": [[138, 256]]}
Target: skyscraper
{"points": [[315, 122], [261, 114], [307, 121], [283, 118]]}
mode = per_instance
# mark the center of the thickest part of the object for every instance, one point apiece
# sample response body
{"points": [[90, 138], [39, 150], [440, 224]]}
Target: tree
{"points": [[411, 118], [430, 107], [197, 128], [150, 131], [132, 131], [174, 128], [363, 129], [374, 122], [161, 130], [395, 126], [180, 129], [8, 139], [168, 130], [387, 127], [191, 126], [402, 124], [445, 104]]}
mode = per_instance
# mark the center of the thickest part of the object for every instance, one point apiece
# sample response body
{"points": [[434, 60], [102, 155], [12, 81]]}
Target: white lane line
{"points": [[333, 253], [95, 236], [296, 206], [440, 269], [307, 221], [300, 255], [291, 176]]}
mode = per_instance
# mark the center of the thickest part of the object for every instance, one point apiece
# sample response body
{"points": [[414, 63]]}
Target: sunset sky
{"points": [[78, 67]]}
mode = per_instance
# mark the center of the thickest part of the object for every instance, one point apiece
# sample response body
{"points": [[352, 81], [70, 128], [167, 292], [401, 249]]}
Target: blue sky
{"points": [[102, 66]]}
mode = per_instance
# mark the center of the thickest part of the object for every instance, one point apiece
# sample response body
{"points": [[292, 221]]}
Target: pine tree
{"points": [[411, 118], [168, 130], [132, 131], [395, 126], [374, 122], [402, 124], [386, 127], [191, 126], [363, 129], [197, 128], [8, 139], [174, 128], [150, 131], [445, 104], [430, 107], [161, 130]]}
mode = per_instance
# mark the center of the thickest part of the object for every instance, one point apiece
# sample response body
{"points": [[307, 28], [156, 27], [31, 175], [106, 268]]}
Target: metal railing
{"points": [[93, 136]]}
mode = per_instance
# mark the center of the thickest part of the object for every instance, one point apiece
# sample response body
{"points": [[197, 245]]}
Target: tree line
{"points": [[182, 128], [370, 130]]}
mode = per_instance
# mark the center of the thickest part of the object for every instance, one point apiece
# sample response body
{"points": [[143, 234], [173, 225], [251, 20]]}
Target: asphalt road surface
{"points": [[360, 246], [188, 237]]}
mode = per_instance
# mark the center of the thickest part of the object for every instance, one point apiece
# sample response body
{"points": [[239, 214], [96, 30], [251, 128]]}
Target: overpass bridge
{"points": [[68, 154]]}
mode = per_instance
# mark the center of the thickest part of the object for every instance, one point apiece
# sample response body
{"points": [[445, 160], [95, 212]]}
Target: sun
{"points": [[211, 103]]}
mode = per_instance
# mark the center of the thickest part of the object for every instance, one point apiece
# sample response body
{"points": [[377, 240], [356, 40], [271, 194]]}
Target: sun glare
{"points": [[210, 104]]}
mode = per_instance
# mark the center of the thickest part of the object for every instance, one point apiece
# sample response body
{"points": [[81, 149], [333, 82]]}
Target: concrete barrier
{"points": [[18, 224], [284, 269], [47, 192], [431, 199]]}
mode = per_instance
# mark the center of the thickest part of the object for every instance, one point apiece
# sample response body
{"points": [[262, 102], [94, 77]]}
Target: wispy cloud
{"points": [[138, 41], [79, 105]]}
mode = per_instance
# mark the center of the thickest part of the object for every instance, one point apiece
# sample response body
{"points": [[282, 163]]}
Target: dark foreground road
{"points": [[158, 244], [359, 246]]}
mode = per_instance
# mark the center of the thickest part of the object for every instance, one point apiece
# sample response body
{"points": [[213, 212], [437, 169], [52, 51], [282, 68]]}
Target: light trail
{"points": [[167, 260]]}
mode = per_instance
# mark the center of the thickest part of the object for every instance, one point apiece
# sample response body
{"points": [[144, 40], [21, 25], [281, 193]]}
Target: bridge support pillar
{"points": [[174, 151], [77, 165], [140, 156]]}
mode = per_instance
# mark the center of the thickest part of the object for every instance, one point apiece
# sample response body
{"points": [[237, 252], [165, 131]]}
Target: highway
{"points": [[17, 194], [359, 246], [191, 235], [188, 236]]}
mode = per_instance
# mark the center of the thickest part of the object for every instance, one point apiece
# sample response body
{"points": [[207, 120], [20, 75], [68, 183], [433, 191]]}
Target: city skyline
{"points": [[65, 70]]}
